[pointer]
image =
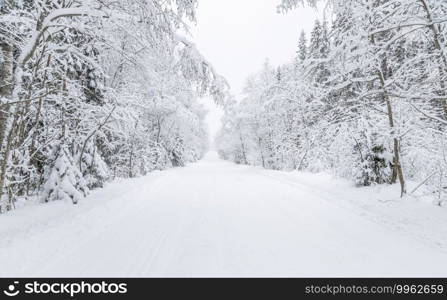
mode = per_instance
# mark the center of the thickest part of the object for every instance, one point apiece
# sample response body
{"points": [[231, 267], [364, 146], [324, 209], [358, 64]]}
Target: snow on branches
{"points": [[95, 89], [366, 98]]}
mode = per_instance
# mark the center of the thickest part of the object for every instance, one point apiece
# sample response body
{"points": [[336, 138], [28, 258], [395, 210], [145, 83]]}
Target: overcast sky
{"points": [[237, 36]]}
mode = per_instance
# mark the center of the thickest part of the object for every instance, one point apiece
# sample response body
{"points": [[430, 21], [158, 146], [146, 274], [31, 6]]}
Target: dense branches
{"points": [[365, 98], [94, 89]]}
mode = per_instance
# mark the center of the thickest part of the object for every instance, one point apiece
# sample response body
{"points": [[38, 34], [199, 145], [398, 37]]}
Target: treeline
{"points": [[96, 89], [365, 98]]}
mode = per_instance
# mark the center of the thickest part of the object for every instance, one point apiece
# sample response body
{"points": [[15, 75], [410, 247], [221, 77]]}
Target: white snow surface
{"points": [[218, 219]]}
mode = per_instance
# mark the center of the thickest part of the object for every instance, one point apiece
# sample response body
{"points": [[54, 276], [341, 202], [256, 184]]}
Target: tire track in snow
{"points": [[120, 212], [218, 219]]}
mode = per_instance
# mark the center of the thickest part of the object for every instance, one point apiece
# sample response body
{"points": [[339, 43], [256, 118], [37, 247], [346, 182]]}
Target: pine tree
{"points": [[65, 181], [316, 41], [302, 47], [279, 75], [325, 41]]}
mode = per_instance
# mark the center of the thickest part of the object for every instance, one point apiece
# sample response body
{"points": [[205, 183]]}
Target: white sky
{"points": [[237, 36]]}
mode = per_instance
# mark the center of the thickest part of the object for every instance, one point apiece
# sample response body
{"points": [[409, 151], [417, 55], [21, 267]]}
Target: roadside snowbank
{"points": [[414, 215]]}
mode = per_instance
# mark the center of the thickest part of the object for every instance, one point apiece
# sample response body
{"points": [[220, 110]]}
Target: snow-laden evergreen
{"points": [[64, 180]]}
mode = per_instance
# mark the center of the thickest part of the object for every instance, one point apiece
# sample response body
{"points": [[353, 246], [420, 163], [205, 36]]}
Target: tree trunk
{"points": [[262, 151], [244, 155], [397, 165], [4, 165], [6, 84]]}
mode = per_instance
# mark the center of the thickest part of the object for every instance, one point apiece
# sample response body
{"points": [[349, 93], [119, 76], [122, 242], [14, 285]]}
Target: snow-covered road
{"points": [[213, 218]]}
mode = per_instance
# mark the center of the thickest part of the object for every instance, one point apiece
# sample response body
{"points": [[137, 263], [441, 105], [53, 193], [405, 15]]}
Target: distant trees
{"points": [[302, 47], [92, 90], [364, 98]]}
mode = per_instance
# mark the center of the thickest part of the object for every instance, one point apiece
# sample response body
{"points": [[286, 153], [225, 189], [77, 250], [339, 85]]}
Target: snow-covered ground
{"points": [[215, 218]]}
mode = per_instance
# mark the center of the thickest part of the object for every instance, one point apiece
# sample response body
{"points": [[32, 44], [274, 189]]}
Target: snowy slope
{"points": [[215, 218]]}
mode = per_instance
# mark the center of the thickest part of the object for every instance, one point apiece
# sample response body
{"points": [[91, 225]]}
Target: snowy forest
{"points": [[223, 138], [95, 90], [365, 98]]}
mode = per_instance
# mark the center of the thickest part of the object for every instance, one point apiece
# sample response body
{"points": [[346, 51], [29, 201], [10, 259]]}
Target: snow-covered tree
{"points": [[64, 180], [302, 47], [112, 84], [367, 103]]}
